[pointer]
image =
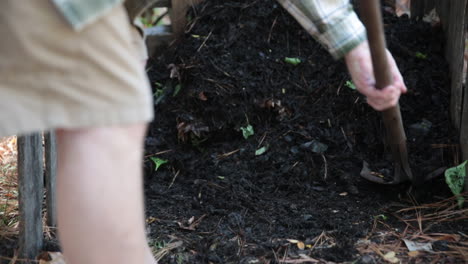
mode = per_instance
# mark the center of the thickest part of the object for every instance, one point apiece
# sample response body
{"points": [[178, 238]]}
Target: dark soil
{"points": [[228, 72]]}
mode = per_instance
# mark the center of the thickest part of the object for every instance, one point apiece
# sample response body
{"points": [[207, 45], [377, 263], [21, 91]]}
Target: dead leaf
{"points": [[293, 241], [270, 103], [190, 221], [417, 246], [391, 257], [192, 224], [51, 258], [151, 220], [447, 237], [413, 254], [300, 245], [185, 128], [174, 71], [402, 7], [202, 96], [343, 194]]}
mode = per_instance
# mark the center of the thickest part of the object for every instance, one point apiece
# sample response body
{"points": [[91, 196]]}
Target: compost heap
{"points": [[261, 148]]}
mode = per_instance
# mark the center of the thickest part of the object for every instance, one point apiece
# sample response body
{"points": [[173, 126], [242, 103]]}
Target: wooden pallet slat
{"points": [[453, 16], [453, 19]]}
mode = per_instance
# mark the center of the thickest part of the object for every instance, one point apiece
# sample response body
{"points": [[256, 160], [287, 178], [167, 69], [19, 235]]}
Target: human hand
{"points": [[359, 63]]}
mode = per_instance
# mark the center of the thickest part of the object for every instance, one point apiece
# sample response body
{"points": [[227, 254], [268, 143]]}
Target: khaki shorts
{"points": [[54, 77]]}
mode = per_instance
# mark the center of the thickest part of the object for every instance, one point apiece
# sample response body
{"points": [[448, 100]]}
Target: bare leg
{"points": [[100, 200]]}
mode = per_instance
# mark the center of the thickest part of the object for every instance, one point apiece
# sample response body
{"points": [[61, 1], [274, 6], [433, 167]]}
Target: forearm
{"points": [[333, 23]]}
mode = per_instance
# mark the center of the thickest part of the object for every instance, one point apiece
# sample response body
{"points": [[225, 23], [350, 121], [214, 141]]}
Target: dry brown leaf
{"points": [[300, 245], [413, 254]]}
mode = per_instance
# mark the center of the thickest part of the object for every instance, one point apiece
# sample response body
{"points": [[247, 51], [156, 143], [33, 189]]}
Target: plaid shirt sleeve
{"points": [[331, 22]]}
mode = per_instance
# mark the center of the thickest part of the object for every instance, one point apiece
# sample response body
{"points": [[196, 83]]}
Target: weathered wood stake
{"points": [[30, 188], [50, 177]]}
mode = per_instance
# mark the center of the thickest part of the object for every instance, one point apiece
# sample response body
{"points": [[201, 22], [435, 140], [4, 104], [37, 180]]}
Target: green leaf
{"points": [[455, 179], [350, 85], [177, 90], [158, 162], [420, 55], [247, 131], [293, 61], [158, 93], [260, 151]]}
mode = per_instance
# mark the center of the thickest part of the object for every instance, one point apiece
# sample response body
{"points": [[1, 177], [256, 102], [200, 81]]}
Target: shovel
{"points": [[372, 17]]}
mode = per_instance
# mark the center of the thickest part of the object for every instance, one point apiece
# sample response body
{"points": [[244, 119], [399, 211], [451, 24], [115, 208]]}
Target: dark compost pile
{"points": [[230, 203]]}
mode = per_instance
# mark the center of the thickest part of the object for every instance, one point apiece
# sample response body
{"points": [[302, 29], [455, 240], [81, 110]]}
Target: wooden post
{"points": [[452, 14], [30, 185], [464, 131], [50, 177]]}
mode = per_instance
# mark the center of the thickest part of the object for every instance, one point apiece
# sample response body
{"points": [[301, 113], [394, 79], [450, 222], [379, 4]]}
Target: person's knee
{"points": [[113, 136]]}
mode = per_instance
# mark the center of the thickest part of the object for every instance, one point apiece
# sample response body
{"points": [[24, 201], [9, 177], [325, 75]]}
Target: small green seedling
{"points": [[420, 55], [146, 22], [158, 162], [158, 93], [177, 90], [292, 61], [159, 90], [381, 216], [247, 131], [260, 151], [350, 85], [455, 178]]}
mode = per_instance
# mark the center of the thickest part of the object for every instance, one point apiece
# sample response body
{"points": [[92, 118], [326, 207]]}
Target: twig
{"points": [[271, 29], [225, 155], [159, 254], [173, 179], [326, 167], [203, 44], [159, 153], [262, 139]]}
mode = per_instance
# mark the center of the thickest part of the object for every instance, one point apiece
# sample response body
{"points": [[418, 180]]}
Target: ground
{"points": [[291, 191]]}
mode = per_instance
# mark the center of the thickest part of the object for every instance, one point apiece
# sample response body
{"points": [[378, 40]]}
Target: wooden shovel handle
{"points": [[372, 17]]}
